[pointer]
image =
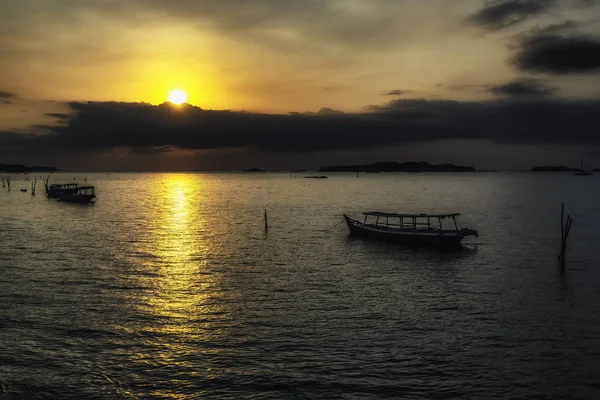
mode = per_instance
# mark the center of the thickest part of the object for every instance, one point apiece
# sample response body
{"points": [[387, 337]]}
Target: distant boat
{"points": [[316, 177], [82, 194], [581, 172], [23, 189], [409, 229]]}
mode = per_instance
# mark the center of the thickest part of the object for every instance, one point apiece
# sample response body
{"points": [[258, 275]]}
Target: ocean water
{"points": [[168, 287]]}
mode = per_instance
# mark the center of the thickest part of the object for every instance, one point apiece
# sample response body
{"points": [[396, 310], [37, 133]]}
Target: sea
{"points": [[169, 287]]}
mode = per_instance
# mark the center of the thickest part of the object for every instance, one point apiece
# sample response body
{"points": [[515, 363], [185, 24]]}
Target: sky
{"points": [[503, 84]]}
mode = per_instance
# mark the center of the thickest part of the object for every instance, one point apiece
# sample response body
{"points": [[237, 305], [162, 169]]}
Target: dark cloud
{"points": [[566, 27], [558, 54], [522, 87], [60, 116], [395, 92], [504, 13], [329, 111], [322, 111], [459, 87], [7, 95], [143, 128]]}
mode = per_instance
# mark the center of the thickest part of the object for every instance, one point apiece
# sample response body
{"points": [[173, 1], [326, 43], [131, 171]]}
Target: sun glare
{"points": [[177, 96]]}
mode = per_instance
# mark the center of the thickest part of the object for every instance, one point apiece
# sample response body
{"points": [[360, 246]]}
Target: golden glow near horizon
{"points": [[177, 96]]}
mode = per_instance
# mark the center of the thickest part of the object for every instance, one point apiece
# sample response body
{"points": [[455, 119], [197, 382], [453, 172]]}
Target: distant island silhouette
{"points": [[254, 169], [23, 168], [411, 166], [559, 168]]}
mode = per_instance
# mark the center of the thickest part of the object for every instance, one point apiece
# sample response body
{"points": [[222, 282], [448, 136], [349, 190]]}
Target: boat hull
{"points": [[75, 198], [409, 237]]}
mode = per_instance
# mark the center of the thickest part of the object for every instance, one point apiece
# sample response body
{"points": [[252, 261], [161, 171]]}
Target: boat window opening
{"points": [[377, 220]]}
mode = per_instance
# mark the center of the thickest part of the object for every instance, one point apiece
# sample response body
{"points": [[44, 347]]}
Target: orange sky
{"points": [[268, 56]]}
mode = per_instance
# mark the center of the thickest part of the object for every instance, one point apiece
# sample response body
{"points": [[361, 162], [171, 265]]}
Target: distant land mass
{"points": [[411, 166], [254, 169], [559, 168], [23, 168]]}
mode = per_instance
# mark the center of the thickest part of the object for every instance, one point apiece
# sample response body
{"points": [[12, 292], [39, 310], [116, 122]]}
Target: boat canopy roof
{"points": [[383, 214]]}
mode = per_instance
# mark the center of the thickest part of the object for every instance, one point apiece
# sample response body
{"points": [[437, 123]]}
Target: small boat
{"points": [[23, 189], [316, 177], [82, 194], [581, 172], [410, 229]]}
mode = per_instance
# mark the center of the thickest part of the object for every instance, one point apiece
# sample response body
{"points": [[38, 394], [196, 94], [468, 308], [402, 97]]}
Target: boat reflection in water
{"points": [[410, 229]]}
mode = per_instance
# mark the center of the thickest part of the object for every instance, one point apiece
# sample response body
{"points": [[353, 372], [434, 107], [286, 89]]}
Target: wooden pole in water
{"points": [[562, 224], [565, 229], [266, 223]]}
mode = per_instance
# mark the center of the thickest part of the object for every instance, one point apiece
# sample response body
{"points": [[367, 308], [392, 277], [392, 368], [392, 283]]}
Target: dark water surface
{"points": [[167, 287]]}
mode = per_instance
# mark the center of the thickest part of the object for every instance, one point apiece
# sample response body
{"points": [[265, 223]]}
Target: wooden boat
{"points": [[57, 189], [410, 229], [82, 194], [316, 177]]}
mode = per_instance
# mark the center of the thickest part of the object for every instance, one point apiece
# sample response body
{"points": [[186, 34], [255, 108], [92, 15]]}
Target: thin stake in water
{"points": [[565, 229]]}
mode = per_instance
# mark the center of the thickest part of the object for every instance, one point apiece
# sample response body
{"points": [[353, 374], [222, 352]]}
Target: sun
{"points": [[177, 96]]}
